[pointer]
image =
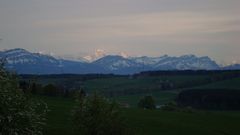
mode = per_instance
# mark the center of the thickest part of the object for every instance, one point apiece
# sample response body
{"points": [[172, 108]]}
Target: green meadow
{"points": [[149, 122]]}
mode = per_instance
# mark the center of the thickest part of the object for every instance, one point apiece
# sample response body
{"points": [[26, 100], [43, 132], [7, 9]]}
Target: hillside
{"points": [[147, 122]]}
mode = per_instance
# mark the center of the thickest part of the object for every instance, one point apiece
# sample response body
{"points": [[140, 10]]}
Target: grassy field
{"points": [[150, 122], [59, 116], [178, 123]]}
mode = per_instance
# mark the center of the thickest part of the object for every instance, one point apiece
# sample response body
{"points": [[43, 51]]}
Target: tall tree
{"points": [[19, 114]]}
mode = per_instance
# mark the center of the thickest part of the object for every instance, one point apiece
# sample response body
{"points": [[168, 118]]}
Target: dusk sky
{"points": [[137, 27]]}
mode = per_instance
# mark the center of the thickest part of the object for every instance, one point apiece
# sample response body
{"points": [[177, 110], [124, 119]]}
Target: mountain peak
{"points": [[16, 50]]}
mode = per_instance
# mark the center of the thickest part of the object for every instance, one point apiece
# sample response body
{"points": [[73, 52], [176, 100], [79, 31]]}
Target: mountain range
{"points": [[25, 62]]}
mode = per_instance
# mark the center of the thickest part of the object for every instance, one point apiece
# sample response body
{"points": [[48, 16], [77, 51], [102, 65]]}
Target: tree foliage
{"points": [[19, 114], [213, 99], [51, 90], [95, 115], [147, 102]]}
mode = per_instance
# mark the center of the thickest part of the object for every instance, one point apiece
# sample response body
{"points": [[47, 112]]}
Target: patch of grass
{"points": [[156, 122], [59, 116]]}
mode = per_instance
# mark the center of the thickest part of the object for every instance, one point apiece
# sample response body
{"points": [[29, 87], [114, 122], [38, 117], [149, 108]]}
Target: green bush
{"points": [[95, 115], [147, 103], [19, 114]]}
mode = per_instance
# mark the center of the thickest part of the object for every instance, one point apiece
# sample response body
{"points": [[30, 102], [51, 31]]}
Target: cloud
{"points": [[163, 24]]}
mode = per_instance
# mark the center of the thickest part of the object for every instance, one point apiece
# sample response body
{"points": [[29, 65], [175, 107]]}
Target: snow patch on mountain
{"points": [[148, 60], [99, 53]]}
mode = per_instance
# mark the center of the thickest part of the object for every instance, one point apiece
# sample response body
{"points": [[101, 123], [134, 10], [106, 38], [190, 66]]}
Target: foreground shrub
{"points": [[95, 115], [19, 115]]}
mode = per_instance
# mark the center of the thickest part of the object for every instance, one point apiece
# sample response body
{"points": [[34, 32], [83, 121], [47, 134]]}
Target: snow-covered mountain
{"points": [[21, 56], [148, 60], [73, 58], [118, 64], [186, 62], [25, 62], [99, 53]]}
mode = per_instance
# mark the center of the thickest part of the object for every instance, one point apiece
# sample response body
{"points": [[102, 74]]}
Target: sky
{"points": [[136, 27]]}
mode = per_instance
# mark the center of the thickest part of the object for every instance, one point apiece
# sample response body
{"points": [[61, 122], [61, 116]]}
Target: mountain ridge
{"points": [[25, 62]]}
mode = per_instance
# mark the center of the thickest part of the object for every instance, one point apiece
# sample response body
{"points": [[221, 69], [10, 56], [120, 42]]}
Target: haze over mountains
{"points": [[25, 62]]}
